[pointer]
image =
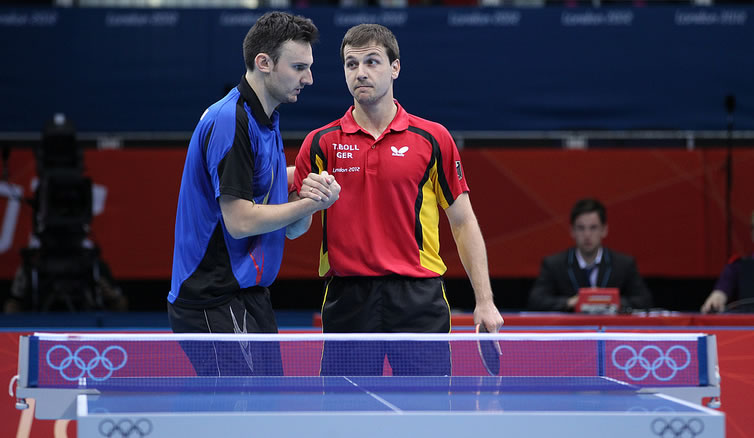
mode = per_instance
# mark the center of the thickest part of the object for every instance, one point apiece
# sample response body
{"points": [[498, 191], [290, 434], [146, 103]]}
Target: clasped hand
{"points": [[320, 187]]}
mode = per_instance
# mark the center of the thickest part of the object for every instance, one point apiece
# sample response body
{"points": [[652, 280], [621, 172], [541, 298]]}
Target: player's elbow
{"points": [[235, 227], [298, 228], [235, 231], [237, 216], [292, 234]]}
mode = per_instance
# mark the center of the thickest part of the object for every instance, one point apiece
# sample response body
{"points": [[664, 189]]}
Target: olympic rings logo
{"points": [[124, 428], [677, 428], [663, 360], [74, 365]]}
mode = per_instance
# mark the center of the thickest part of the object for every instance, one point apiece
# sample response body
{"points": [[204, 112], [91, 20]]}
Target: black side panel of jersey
{"points": [[316, 151], [436, 158], [213, 282], [236, 170]]}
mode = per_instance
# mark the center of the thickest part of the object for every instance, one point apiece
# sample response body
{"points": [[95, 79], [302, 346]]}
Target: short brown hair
{"points": [[363, 34], [273, 29]]}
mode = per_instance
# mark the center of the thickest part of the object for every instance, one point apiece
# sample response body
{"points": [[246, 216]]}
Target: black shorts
{"points": [[391, 304], [249, 311]]}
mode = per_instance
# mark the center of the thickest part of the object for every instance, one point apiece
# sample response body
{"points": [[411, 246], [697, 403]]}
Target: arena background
{"points": [[648, 106]]}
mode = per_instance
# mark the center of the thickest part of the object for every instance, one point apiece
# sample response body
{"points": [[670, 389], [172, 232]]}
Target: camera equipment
{"points": [[63, 268]]}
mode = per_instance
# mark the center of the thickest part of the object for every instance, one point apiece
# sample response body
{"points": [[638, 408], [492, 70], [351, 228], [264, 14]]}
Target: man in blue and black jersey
{"points": [[233, 210]]}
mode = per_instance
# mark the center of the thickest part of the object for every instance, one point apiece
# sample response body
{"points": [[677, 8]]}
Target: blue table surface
{"points": [[374, 394], [130, 403], [363, 383]]}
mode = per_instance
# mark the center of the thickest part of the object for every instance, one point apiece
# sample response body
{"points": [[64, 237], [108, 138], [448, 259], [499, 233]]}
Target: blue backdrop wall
{"points": [[471, 69]]}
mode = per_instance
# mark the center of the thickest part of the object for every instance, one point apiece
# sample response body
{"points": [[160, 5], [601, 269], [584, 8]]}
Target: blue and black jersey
{"points": [[235, 150]]}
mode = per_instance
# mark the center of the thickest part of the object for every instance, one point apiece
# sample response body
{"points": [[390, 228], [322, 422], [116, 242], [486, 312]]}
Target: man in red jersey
{"points": [[380, 243]]}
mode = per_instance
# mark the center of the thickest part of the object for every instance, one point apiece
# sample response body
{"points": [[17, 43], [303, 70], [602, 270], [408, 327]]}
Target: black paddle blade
{"points": [[489, 352]]}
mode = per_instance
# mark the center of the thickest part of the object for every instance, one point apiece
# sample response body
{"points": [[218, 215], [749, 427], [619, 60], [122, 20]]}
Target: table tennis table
{"points": [[365, 406], [379, 408]]}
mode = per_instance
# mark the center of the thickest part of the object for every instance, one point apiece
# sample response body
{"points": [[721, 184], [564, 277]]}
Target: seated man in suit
{"points": [[588, 264], [736, 282]]}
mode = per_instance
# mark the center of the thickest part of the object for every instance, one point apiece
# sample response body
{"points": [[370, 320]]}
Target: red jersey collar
{"points": [[399, 123]]}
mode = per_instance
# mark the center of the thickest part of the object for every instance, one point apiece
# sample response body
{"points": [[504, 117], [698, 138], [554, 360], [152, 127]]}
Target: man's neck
{"points": [[375, 118], [589, 258], [256, 82]]}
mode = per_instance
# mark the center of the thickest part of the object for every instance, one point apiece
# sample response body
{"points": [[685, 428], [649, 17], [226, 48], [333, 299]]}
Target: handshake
{"points": [[321, 188]]}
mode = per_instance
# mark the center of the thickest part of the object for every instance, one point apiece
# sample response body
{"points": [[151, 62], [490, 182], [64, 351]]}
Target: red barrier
{"points": [[536, 319], [665, 206]]}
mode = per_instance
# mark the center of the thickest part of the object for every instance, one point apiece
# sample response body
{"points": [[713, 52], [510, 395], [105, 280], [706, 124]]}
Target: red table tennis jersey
{"points": [[386, 219]]}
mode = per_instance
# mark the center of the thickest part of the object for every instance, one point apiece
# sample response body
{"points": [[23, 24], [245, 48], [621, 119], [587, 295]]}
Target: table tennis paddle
{"points": [[489, 351]]}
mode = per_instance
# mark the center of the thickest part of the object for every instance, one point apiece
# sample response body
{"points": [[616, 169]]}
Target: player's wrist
{"points": [[485, 302]]}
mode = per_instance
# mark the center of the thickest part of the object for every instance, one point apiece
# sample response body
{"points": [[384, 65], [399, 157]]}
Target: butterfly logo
{"points": [[399, 152]]}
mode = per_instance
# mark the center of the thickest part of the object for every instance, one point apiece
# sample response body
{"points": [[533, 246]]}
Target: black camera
{"points": [[61, 263], [63, 201]]}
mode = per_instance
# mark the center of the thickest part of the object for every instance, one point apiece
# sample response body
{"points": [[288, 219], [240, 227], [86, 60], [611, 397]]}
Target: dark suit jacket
{"points": [[560, 278]]}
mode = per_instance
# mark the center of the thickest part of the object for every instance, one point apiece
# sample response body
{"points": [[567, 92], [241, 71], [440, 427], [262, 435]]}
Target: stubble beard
{"points": [[368, 98]]}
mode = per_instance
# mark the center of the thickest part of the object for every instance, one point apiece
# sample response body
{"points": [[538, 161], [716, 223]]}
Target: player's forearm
{"points": [[243, 218], [473, 255], [301, 226]]}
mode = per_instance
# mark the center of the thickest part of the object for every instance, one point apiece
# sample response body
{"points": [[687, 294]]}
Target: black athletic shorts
{"points": [[390, 304], [249, 311]]}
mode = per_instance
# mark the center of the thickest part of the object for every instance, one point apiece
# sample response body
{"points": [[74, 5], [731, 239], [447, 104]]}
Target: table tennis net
{"points": [[165, 361]]}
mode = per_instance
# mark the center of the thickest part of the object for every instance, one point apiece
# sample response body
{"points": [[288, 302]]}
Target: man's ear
{"points": [[396, 66], [263, 62]]}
